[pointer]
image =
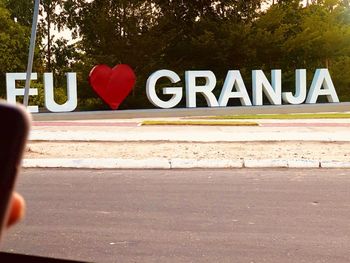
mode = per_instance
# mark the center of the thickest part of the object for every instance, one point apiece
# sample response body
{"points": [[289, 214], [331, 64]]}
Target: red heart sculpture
{"points": [[112, 85]]}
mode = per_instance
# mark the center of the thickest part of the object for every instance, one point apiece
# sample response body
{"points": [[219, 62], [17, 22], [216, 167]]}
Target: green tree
{"points": [[111, 32], [21, 10], [324, 35], [50, 11], [291, 36], [13, 46], [217, 35]]}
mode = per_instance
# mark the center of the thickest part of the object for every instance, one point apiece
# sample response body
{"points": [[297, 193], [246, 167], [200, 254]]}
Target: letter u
{"points": [[72, 101]]}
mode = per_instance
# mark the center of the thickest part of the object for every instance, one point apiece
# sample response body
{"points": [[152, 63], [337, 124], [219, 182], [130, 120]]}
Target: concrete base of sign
{"points": [[195, 112]]}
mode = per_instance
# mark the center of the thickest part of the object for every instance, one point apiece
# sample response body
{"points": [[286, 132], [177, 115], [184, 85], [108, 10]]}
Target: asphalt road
{"points": [[278, 215]]}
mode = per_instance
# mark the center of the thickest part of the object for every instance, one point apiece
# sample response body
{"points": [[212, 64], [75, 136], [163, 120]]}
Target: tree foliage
{"points": [[182, 35], [13, 46], [20, 10]]}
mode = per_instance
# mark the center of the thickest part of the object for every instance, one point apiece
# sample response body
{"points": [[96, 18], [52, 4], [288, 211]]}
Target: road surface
{"points": [[243, 215]]}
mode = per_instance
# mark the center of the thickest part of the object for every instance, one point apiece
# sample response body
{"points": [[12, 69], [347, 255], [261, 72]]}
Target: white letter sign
{"points": [[175, 91], [206, 90], [12, 92], [300, 89], [321, 79], [197, 82], [72, 101], [262, 85], [234, 79]]}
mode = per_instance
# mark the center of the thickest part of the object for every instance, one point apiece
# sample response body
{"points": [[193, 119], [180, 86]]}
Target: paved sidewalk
{"points": [[129, 130]]}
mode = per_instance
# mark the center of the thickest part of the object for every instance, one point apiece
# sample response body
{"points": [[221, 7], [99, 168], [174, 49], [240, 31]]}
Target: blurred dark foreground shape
{"points": [[15, 128], [9, 257]]}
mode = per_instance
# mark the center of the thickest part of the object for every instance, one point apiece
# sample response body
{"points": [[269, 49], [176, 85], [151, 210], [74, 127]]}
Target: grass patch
{"points": [[283, 116], [199, 123]]}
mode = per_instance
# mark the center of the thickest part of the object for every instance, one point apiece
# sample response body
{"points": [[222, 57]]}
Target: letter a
{"points": [[321, 79]]}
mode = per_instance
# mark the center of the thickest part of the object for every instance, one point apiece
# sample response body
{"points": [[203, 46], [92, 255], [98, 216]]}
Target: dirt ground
{"points": [[332, 151]]}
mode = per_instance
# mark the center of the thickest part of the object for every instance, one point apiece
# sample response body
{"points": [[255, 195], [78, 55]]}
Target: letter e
{"points": [[12, 92]]}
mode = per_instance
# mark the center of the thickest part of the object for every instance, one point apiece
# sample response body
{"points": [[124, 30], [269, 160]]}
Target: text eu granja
{"points": [[233, 88]]}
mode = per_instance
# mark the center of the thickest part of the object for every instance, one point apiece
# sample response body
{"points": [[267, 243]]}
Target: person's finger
{"points": [[17, 207]]}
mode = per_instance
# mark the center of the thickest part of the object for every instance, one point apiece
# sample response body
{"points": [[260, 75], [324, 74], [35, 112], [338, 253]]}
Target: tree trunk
{"points": [[48, 39]]}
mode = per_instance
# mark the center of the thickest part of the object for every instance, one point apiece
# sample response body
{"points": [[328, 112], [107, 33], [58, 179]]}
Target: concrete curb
{"points": [[265, 163], [96, 163], [163, 163], [190, 163], [304, 164], [335, 164]]}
